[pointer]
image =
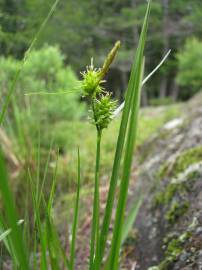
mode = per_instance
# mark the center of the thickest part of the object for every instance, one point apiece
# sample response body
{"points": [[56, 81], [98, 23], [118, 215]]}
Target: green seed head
{"points": [[103, 111], [91, 81]]}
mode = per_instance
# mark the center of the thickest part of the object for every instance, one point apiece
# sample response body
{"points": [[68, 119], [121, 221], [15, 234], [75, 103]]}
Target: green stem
{"points": [[96, 206], [76, 211]]}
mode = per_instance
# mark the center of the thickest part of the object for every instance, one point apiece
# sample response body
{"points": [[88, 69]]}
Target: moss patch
{"points": [[176, 210], [187, 158], [163, 198], [166, 196], [174, 249]]}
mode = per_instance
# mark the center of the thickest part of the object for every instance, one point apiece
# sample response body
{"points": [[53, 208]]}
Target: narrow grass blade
{"points": [[2, 238], [56, 252], [131, 137], [18, 72], [9, 245], [43, 93], [39, 226], [52, 192], [94, 244], [120, 108], [45, 174], [119, 220], [38, 170], [8, 231], [130, 220], [120, 144], [11, 218], [76, 211]]}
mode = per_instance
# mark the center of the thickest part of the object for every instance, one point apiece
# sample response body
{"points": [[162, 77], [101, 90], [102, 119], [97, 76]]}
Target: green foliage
{"points": [[28, 50], [67, 135], [160, 101], [190, 65], [174, 247], [14, 23], [176, 210], [44, 71], [44, 64], [166, 198], [15, 243], [103, 111], [187, 158], [85, 28], [182, 162], [7, 72], [127, 135], [91, 81]]}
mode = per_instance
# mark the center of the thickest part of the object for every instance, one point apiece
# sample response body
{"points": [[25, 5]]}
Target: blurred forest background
{"points": [[83, 29], [41, 132], [77, 31]]}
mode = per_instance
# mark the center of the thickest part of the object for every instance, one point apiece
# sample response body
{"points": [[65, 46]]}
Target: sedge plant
{"points": [[103, 109]]}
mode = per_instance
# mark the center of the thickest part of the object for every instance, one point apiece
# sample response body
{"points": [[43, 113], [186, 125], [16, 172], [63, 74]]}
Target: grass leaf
{"points": [[16, 238], [130, 219], [76, 210], [120, 145], [131, 137]]}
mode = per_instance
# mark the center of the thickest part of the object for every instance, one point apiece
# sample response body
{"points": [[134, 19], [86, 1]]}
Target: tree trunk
{"points": [[144, 97], [175, 91], [135, 28], [124, 80]]}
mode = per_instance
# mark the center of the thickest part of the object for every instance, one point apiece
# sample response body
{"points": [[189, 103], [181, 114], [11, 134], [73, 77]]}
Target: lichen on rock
{"points": [[171, 179]]}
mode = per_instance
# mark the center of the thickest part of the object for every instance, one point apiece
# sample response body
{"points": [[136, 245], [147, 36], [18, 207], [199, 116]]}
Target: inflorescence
{"points": [[103, 106]]}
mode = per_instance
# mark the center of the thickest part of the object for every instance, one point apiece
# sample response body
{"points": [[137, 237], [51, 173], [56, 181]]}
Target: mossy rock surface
{"points": [[169, 223]]}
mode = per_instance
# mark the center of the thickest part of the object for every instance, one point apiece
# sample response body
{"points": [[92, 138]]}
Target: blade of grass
{"points": [[18, 72], [131, 138], [119, 219], [45, 174], [52, 193], [128, 224], [4, 234], [38, 158], [2, 230], [11, 216], [120, 108], [43, 93], [95, 221], [52, 245], [9, 246], [76, 210], [39, 225], [51, 240], [130, 220], [119, 149], [56, 251]]}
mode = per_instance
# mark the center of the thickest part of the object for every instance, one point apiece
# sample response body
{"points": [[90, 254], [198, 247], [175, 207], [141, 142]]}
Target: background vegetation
{"points": [[77, 31], [83, 29], [47, 115]]}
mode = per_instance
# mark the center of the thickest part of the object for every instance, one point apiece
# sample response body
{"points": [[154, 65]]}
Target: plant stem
{"points": [[76, 210], [96, 206]]}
